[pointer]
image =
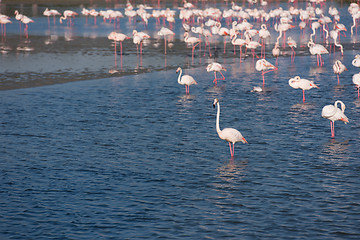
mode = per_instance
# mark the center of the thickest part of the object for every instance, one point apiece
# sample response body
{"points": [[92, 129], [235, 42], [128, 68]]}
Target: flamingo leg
{"points": [[263, 78], [332, 125], [338, 79], [165, 43], [231, 151], [303, 96], [222, 76], [215, 79]]}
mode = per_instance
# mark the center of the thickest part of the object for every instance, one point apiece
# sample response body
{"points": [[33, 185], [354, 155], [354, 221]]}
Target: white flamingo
{"points": [[165, 32], [303, 84], [265, 67], [356, 61], [231, 135], [339, 68], [186, 80], [356, 81], [216, 67], [333, 113]]}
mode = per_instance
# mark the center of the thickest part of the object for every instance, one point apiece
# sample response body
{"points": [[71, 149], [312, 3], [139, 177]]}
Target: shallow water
{"points": [[134, 157]]}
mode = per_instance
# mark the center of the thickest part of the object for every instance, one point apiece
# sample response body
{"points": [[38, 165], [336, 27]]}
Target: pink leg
{"points": [[338, 79], [215, 79], [303, 96], [231, 152], [222, 76], [165, 43], [263, 78]]}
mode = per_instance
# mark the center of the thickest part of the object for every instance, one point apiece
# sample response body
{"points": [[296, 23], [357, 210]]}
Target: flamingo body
{"points": [[186, 80], [333, 113]]}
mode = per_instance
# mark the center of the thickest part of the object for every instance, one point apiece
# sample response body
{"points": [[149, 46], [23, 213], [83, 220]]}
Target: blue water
{"points": [[134, 157]]}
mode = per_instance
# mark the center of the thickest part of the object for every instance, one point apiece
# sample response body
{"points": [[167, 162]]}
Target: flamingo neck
{"points": [[179, 78], [218, 119]]}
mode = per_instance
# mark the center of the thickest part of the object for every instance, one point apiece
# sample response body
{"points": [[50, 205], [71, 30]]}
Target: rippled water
{"points": [[133, 157]]}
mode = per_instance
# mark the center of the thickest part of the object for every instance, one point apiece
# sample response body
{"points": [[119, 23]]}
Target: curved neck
{"points": [[179, 78], [218, 118], [342, 105], [278, 38]]}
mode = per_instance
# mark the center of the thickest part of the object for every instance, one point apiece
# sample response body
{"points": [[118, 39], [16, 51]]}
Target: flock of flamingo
{"points": [[201, 27]]}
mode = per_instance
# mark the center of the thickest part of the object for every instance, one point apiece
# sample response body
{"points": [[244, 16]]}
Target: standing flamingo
{"points": [[263, 35], [276, 52], [26, 20], [291, 42], [356, 81], [194, 41], [216, 67], [68, 14], [303, 84], [339, 68], [165, 32], [118, 37], [186, 80], [3, 21], [231, 135], [317, 49], [333, 113], [138, 39], [265, 67], [237, 42]]}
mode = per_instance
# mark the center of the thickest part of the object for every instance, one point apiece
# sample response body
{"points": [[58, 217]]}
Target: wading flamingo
{"points": [[265, 67], [237, 42], [276, 52], [356, 61], [68, 14], [339, 68], [165, 32], [333, 113], [317, 49], [186, 80], [303, 84], [216, 67], [356, 81], [194, 41], [231, 135]]}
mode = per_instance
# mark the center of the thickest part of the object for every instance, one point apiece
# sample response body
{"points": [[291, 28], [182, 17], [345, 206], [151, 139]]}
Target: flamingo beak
{"points": [[244, 140], [314, 85], [345, 120], [214, 105]]}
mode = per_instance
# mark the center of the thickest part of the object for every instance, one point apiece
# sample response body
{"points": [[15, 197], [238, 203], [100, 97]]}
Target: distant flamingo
{"points": [[216, 67], [303, 84], [18, 16], [118, 37], [237, 42], [356, 61], [68, 14], [165, 32], [333, 113], [339, 68], [263, 35], [26, 20], [356, 81], [265, 67], [291, 42], [52, 12], [138, 38], [3, 21], [186, 80], [276, 52], [231, 135], [194, 41], [317, 49]]}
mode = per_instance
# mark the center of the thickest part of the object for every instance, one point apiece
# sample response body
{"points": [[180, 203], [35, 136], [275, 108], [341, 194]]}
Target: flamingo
{"points": [[317, 49], [334, 35], [291, 42], [339, 68], [276, 52], [138, 39], [265, 67], [216, 67], [333, 113], [356, 81], [223, 32], [18, 16], [94, 13], [303, 84], [186, 80], [356, 61], [26, 20], [251, 44], [263, 34], [3, 21], [118, 37], [165, 32], [192, 41], [68, 14], [237, 42], [231, 135], [52, 12]]}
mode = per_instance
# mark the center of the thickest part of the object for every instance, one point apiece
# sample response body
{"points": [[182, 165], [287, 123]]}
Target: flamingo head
{"points": [[178, 70], [215, 102], [243, 140], [312, 84]]}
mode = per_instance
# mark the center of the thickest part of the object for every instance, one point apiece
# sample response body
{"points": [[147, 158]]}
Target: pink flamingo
{"points": [[339, 68], [68, 14], [318, 50], [333, 113], [3, 21], [216, 67], [265, 67], [165, 32], [303, 84], [194, 41], [356, 81], [291, 42], [25, 20]]}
